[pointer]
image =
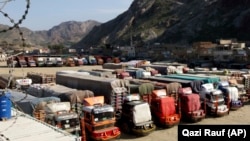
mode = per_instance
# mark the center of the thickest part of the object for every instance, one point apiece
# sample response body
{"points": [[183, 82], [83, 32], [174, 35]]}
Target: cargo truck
{"points": [[136, 117], [59, 114], [215, 102], [114, 90], [231, 95], [164, 109], [99, 120], [191, 105]]}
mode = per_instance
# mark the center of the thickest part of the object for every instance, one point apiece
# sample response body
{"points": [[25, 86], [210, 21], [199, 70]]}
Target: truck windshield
{"points": [[103, 116]]}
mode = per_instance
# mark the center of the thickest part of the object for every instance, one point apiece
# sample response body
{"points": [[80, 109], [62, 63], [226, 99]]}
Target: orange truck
{"points": [[99, 120]]}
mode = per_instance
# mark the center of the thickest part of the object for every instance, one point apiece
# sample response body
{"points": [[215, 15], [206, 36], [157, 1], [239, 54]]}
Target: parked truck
{"points": [[92, 60], [40, 61], [58, 62], [231, 95], [21, 61], [215, 102], [191, 105], [99, 119], [136, 116], [164, 109], [114, 90], [30, 61], [58, 114], [70, 62]]}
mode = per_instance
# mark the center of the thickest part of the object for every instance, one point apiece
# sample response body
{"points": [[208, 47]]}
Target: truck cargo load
{"points": [[114, 90]]}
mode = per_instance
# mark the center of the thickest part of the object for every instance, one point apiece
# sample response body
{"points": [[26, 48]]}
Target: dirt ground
{"points": [[240, 116]]}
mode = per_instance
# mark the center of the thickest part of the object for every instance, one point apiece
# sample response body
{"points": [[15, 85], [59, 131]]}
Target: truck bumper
{"points": [[144, 132], [106, 138], [222, 113]]}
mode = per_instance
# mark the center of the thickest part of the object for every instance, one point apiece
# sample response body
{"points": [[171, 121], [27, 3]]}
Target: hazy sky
{"points": [[44, 14]]}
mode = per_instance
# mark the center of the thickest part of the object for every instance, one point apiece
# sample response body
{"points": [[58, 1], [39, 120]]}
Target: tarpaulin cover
{"points": [[100, 86], [23, 101], [146, 88], [231, 90], [205, 79], [167, 106], [141, 113], [190, 102]]}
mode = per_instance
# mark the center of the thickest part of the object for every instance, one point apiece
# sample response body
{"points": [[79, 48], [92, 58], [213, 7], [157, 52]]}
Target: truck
{"points": [[30, 61], [99, 119], [191, 105], [164, 109], [21, 61], [92, 60], [58, 62], [215, 101], [49, 61], [59, 114], [70, 62], [231, 95], [40, 60], [114, 90], [136, 116], [78, 61]]}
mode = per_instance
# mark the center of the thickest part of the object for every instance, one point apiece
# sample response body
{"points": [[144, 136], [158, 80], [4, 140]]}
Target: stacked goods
{"points": [[40, 115], [113, 66], [39, 105], [172, 89], [145, 91], [66, 94], [41, 78], [98, 73], [112, 89], [160, 68]]}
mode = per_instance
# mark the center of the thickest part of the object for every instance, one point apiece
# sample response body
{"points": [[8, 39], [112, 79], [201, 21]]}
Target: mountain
{"points": [[69, 32], [175, 22]]}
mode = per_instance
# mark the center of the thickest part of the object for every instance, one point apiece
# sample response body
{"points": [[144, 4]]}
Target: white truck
{"points": [[59, 114], [215, 103]]}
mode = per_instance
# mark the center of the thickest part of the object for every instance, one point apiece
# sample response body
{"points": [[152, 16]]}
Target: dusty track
{"points": [[240, 116]]}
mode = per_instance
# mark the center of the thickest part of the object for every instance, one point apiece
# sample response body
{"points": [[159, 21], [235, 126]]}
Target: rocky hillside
{"points": [[65, 33], [172, 21]]}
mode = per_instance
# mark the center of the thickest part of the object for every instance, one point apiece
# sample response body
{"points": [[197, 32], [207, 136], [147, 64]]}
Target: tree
{"points": [[58, 48]]}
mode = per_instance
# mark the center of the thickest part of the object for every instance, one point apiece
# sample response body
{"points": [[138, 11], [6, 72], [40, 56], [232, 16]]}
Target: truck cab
{"points": [[40, 61], [136, 116], [215, 103], [58, 62], [231, 95], [191, 105], [164, 109], [99, 119], [30, 61], [58, 114], [92, 60]]}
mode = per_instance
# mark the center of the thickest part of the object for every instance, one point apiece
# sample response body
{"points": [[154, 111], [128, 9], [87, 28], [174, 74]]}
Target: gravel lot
{"points": [[240, 116]]}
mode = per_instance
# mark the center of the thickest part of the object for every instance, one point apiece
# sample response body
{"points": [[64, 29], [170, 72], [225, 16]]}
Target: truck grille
{"points": [[103, 126]]}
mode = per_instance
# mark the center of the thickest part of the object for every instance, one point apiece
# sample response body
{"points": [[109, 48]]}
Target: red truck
{"points": [[164, 110], [191, 105]]}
